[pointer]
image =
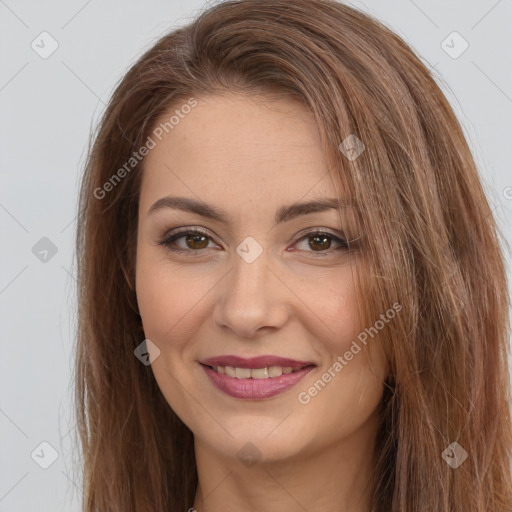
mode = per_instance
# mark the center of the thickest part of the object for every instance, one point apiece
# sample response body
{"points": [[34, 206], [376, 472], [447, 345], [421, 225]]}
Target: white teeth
{"points": [[242, 373], [260, 373], [255, 373], [230, 371], [275, 371]]}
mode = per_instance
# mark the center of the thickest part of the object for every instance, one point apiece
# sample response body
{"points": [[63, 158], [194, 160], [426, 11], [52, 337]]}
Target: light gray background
{"points": [[47, 107]]}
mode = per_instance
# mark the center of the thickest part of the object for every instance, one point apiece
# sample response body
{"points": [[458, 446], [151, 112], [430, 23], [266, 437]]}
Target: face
{"points": [[259, 281]]}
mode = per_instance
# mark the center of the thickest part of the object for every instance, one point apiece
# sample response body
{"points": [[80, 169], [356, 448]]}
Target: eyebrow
{"points": [[283, 214]]}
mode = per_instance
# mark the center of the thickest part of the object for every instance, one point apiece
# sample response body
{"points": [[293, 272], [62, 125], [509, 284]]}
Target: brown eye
{"points": [[321, 242], [194, 241]]}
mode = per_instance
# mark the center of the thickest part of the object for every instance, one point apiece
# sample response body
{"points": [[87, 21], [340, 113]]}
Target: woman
{"points": [[230, 357]]}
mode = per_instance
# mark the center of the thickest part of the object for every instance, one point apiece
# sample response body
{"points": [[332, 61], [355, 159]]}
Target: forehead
{"points": [[237, 147]]}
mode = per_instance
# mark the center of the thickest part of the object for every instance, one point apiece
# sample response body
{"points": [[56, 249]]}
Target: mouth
{"points": [[256, 378]]}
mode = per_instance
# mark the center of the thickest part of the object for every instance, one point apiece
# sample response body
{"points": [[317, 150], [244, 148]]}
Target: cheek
{"points": [[352, 374], [169, 305], [169, 296], [334, 301]]}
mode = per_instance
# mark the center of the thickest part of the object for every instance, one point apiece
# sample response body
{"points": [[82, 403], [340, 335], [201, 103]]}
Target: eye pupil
{"points": [[194, 239], [324, 239]]}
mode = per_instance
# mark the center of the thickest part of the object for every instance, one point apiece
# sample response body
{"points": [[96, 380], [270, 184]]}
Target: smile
{"points": [[254, 383]]}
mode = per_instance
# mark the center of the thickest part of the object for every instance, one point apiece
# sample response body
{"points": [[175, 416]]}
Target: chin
{"points": [[261, 439]]}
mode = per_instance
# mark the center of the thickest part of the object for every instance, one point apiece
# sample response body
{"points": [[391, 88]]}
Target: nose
{"points": [[252, 299]]}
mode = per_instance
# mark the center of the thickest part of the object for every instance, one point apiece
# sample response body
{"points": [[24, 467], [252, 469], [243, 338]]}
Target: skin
{"points": [[250, 156]]}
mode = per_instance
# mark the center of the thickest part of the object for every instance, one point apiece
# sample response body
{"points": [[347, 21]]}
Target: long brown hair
{"points": [[430, 243]]}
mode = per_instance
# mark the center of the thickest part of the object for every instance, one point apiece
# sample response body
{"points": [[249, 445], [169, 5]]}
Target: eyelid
{"points": [[183, 230], [320, 229]]}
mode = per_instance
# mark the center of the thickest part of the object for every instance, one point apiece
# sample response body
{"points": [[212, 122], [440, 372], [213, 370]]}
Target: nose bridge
{"points": [[250, 275], [250, 299], [249, 282]]}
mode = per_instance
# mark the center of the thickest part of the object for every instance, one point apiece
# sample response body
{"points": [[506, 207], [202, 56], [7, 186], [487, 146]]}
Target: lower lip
{"points": [[255, 389]]}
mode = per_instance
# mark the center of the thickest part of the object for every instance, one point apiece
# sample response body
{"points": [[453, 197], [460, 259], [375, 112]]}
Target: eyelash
{"points": [[166, 242]]}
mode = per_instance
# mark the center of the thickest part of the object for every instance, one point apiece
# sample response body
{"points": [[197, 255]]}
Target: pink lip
{"points": [[256, 362], [255, 389]]}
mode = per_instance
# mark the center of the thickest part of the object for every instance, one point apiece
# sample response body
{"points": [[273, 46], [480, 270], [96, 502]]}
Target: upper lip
{"points": [[256, 362]]}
